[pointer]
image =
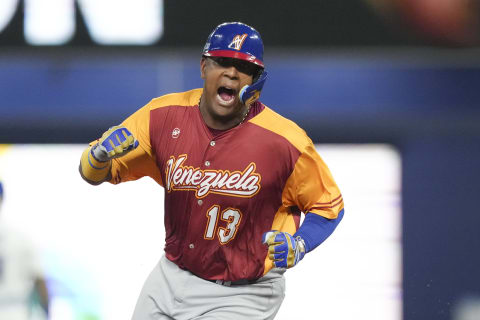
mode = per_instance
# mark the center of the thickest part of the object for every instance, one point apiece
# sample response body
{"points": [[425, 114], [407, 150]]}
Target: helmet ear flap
{"points": [[257, 75], [249, 94]]}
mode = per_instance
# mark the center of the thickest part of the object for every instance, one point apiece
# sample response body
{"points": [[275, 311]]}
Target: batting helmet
{"points": [[239, 41], [235, 40]]}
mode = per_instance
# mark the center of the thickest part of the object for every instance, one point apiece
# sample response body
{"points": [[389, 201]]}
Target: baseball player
{"points": [[237, 177], [20, 275]]}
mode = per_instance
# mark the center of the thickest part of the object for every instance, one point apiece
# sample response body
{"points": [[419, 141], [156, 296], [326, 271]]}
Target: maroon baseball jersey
{"points": [[223, 190]]}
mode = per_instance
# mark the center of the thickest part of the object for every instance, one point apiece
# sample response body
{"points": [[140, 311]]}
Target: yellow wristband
{"points": [[92, 169]]}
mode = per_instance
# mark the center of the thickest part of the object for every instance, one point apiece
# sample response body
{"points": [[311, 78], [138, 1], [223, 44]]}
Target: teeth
{"points": [[225, 102]]}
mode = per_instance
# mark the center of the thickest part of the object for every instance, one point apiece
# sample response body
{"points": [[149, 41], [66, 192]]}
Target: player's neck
{"points": [[221, 123]]}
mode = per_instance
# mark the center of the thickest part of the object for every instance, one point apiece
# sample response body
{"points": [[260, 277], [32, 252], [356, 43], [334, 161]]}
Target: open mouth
{"points": [[226, 94]]}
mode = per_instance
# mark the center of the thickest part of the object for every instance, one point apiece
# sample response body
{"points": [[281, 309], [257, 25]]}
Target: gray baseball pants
{"points": [[170, 293]]}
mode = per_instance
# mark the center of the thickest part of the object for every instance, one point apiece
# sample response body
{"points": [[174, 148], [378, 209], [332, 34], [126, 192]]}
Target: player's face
{"points": [[223, 80]]}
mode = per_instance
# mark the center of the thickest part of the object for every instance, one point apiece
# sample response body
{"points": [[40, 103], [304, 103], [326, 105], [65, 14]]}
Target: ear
{"points": [[203, 64]]}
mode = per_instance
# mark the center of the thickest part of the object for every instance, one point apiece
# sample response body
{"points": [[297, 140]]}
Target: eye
{"points": [[224, 62], [241, 65], [246, 67]]}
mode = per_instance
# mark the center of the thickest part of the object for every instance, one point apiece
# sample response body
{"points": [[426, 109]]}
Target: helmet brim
{"points": [[235, 55]]}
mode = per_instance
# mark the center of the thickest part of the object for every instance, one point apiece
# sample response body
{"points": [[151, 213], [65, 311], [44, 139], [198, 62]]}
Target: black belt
{"points": [[233, 283], [228, 283]]}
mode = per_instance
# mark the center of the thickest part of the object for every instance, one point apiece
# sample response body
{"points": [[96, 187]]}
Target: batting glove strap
{"points": [[100, 153], [94, 162], [300, 248], [283, 249]]}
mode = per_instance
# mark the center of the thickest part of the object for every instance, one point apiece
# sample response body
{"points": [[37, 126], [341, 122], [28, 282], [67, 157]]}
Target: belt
{"points": [[233, 283]]}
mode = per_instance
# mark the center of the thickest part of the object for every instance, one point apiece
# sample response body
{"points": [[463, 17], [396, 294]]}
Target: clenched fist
{"points": [[114, 143]]}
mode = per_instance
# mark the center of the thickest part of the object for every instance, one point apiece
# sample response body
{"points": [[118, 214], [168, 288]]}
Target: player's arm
{"points": [[315, 229], [286, 250], [96, 160], [313, 190]]}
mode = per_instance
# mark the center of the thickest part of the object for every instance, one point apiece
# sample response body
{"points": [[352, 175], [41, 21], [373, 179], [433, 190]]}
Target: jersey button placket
{"points": [[207, 163]]}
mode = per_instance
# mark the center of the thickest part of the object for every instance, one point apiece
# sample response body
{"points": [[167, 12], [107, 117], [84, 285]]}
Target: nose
{"points": [[231, 72]]}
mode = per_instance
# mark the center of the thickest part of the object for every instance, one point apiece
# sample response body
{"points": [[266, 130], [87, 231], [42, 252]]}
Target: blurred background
{"points": [[398, 73]]}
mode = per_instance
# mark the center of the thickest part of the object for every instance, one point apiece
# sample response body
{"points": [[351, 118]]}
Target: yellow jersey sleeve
{"points": [[141, 161], [311, 186]]}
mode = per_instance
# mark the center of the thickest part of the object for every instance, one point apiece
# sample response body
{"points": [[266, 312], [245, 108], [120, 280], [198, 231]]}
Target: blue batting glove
{"points": [[285, 250], [115, 142]]}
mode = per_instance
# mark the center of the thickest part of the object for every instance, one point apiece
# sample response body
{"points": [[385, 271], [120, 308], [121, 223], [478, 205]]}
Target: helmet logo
{"points": [[237, 41]]}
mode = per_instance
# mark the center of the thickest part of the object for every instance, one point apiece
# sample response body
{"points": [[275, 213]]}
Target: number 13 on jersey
{"points": [[231, 216]]}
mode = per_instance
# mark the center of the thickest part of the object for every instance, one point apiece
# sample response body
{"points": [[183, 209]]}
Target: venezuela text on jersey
{"points": [[244, 183]]}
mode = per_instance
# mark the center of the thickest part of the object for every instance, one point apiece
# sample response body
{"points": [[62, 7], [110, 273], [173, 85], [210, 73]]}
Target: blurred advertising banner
{"points": [[182, 23], [107, 22]]}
